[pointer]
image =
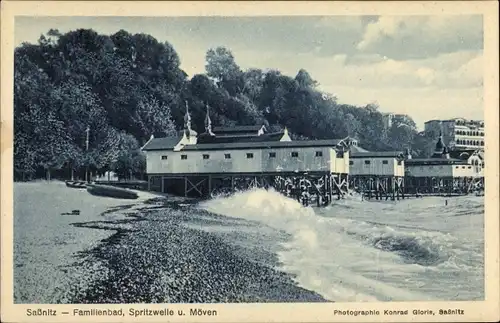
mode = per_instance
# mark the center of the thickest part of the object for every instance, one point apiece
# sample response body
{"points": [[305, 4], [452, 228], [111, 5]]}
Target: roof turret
{"points": [[187, 123], [208, 123], [440, 144]]}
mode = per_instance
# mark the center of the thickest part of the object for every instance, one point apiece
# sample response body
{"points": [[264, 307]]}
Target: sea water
{"points": [[354, 250]]}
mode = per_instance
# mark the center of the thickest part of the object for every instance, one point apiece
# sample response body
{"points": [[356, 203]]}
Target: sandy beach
{"points": [[151, 250]]}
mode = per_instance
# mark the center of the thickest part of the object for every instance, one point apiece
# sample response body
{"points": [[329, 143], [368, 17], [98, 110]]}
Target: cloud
{"points": [[421, 104], [422, 36], [345, 23], [458, 70]]}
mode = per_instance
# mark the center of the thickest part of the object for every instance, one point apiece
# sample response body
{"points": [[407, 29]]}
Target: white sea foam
{"points": [[355, 250]]}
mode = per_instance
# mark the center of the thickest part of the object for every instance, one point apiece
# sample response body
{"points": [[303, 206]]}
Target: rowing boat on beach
{"points": [[111, 191], [75, 184]]}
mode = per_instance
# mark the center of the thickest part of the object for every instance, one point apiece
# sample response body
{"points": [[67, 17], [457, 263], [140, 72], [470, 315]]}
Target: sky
{"points": [[429, 67]]}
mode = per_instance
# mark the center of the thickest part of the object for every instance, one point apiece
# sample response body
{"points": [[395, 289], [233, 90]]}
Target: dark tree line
{"points": [[125, 87]]}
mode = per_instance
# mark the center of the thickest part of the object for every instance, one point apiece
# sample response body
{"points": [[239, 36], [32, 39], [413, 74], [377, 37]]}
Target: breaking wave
{"points": [[372, 251]]}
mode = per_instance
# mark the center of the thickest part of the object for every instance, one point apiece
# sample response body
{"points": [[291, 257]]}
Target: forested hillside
{"points": [[125, 87]]}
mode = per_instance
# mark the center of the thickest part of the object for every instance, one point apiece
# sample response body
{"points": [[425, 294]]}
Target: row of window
{"points": [[470, 142], [469, 123], [469, 133], [441, 167], [368, 162], [249, 155]]}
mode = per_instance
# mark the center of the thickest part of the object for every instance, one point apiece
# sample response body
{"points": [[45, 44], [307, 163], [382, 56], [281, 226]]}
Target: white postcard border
{"points": [[487, 310]]}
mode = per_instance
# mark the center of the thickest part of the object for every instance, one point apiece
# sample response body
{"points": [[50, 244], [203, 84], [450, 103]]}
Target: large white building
{"points": [[458, 133], [241, 151]]}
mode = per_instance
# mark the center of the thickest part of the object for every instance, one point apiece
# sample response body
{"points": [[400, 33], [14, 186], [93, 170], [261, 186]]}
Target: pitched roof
{"points": [[264, 144], [434, 161], [165, 143], [356, 149], [276, 136], [237, 129], [368, 154]]}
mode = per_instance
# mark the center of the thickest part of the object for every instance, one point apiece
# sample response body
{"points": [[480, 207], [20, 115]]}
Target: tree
{"points": [[129, 157], [304, 79], [221, 66], [353, 125], [152, 116], [253, 83], [401, 136]]}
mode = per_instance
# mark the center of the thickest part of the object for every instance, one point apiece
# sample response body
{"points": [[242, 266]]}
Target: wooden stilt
{"points": [[397, 191], [394, 183], [402, 188], [330, 188]]}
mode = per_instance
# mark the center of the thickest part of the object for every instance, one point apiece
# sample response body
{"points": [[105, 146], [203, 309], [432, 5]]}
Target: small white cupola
{"points": [[286, 136]]}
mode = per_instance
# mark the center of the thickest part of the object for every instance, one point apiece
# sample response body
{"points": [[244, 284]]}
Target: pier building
{"points": [[457, 171], [225, 159], [377, 174]]}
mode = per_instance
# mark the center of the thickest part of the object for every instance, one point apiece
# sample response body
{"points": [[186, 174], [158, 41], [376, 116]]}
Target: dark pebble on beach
{"points": [[155, 258]]}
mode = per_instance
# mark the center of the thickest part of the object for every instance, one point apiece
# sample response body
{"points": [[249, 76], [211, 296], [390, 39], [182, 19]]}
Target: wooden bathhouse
{"points": [[379, 174], [230, 158], [446, 171]]}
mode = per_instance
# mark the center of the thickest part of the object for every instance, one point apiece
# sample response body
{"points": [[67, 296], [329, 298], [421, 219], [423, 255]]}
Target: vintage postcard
{"points": [[249, 161]]}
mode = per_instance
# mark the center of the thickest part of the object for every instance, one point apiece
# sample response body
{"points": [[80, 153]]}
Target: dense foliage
{"points": [[125, 87]]}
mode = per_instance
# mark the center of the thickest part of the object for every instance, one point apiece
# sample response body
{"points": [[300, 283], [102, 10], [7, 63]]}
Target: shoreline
{"points": [[46, 242], [168, 249], [154, 257]]}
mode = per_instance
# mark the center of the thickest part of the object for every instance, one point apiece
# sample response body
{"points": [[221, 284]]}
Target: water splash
{"points": [[366, 251]]}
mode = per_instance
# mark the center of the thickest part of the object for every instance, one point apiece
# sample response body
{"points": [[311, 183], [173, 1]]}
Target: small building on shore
{"points": [[244, 156], [377, 173], [446, 171]]}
